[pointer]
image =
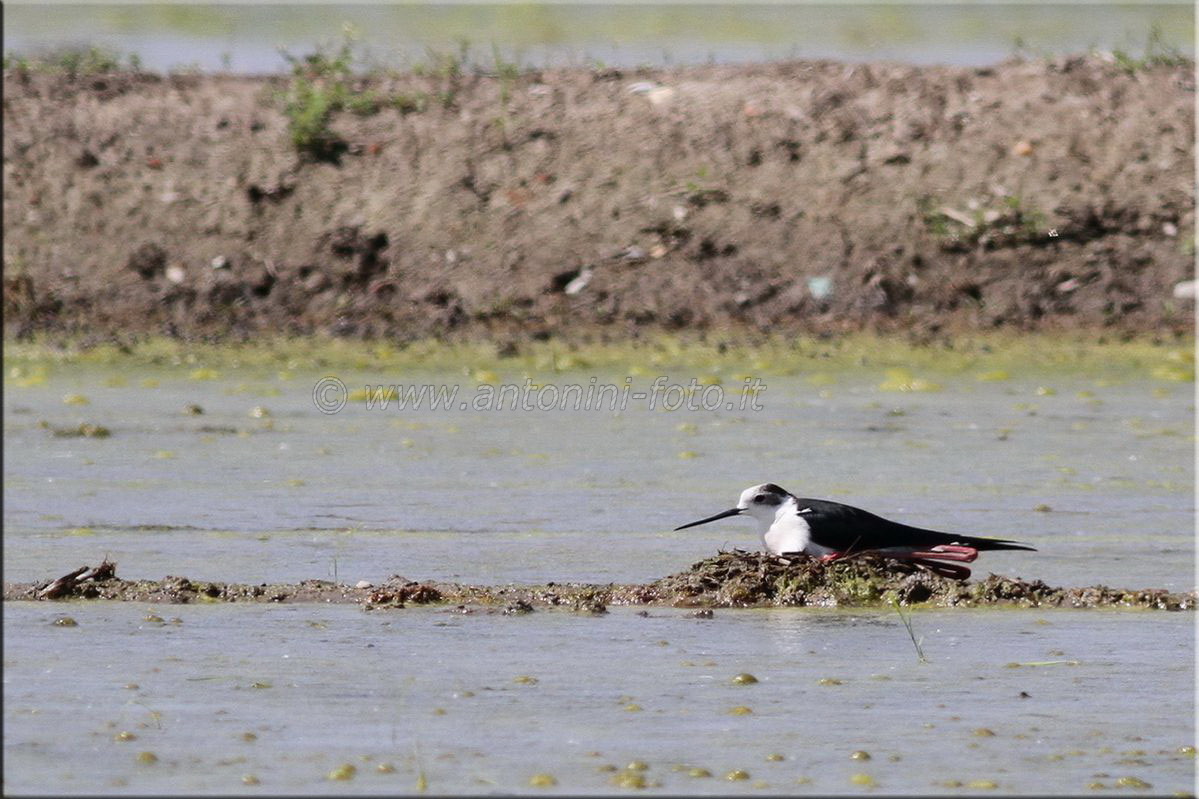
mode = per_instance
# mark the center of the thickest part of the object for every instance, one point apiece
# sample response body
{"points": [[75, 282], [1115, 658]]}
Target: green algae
{"points": [[991, 355], [345, 771]]}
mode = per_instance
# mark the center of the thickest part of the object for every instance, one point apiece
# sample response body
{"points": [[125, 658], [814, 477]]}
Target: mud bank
{"points": [[727, 580], [789, 197]]}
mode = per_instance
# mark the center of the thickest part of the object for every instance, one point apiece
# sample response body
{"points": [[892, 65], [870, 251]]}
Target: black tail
{"points": [[989, 544], [920, 536]]}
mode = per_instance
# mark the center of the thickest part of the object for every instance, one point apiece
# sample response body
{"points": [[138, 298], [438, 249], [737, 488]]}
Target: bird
{"points": [[792, 525]]}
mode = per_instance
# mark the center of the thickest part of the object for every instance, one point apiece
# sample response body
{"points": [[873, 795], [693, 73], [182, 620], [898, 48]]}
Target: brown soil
{"points": [[1048, 194], [727, 580]]}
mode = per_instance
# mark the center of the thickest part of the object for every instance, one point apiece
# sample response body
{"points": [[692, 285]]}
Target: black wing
{"points": [[844, 528]]}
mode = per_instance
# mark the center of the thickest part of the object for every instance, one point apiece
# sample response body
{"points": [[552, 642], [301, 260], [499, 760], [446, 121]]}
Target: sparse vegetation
{"points": [[1157, 54], [1016, 221], [320, 86], [324, 82], [74, 62], [506, 72], [907, 623], [409, 103]]}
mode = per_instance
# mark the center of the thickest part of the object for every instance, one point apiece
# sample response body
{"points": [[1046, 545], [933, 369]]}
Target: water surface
{"points": [[247, 38], [263, 487], [1095, 471], [481, 703]]}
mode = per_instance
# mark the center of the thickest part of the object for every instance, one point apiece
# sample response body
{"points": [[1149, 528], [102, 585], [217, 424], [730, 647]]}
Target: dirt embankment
{"points": [[805, 196], [728, 580]]}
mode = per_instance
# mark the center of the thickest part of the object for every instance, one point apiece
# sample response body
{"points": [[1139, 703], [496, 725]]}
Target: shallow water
{"points": [[435, 692], [246, 38], [288, 493], [500, 496]]}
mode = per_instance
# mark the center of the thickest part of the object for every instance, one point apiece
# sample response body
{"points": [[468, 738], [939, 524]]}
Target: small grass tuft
{"points": [[74, 62], [907, 622], [1157, 54]]}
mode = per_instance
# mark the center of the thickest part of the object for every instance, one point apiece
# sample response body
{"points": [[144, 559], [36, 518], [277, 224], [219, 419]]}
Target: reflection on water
{"points": [[246, 38]]}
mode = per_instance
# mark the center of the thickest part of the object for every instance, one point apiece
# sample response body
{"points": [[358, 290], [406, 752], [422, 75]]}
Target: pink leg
{"points": [[945, 552], [950, 570], [831, 557]]}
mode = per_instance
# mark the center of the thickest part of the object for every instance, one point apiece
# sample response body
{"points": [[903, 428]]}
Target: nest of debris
{"points": [[754, 579]]}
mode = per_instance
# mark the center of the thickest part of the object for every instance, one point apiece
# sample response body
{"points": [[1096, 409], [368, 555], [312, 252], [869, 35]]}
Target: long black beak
{"points": [[721, 515]]}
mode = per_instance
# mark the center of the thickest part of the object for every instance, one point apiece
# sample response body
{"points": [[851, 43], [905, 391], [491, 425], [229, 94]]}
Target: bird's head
{"points": [[760, 501]]}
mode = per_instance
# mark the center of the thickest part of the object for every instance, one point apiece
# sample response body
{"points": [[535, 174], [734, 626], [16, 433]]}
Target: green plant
{"points": [[363, 103], [506, 71], [410, 103], [16, 62], [309, 108], [92, 61], [907, 622], [933, 219], [74, 62], [322, 84], [449, 66], [1157, 54], [1017, 222]]}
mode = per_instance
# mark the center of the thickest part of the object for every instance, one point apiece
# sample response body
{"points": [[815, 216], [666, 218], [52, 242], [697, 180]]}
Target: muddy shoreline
{"points": [[793, 197], [734, 579]]}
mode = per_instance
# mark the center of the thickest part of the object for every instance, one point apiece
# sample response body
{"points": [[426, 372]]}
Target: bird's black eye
{"points": [[760, 498]]}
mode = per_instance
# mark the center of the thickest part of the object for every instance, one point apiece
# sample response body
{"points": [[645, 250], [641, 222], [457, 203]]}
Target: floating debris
{"points": [[629, 779], [1132, 782], [345, 771], [1035, 663], [81, 430]]}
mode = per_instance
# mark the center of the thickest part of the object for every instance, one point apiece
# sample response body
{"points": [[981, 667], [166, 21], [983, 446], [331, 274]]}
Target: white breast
{"points": [[789, 531], [786, 532]]}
